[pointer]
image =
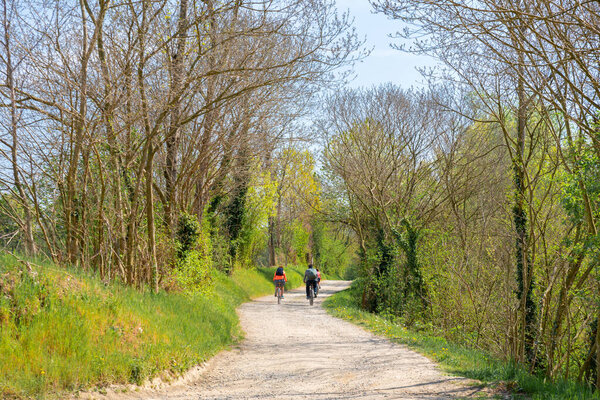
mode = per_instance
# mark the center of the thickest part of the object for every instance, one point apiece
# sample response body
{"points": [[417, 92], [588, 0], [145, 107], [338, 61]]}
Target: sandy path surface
{"points": [[294, 351]]}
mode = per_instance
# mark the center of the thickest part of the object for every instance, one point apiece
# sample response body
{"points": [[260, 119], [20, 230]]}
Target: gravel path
{"points": [[294, 351]]}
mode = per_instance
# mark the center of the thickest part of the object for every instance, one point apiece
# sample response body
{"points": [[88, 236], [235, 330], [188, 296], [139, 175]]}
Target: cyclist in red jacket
{"points": [[279, 279], [318, 278]]}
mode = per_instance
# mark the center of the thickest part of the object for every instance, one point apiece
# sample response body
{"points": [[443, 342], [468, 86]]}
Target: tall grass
{"points": [[62, 330], [458, 359]]}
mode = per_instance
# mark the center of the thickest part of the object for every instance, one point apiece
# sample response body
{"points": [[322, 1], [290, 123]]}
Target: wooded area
{"points": [[152, 141], [132, 129], [475, 202]]}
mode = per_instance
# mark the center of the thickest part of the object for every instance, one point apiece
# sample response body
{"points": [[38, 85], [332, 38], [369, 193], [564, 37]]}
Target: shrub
{"points": [[188, 233], [193, 272], [194, 256]]}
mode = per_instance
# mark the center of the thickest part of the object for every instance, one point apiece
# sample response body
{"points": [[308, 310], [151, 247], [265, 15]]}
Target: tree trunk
{"points": [[173, 133], [115, 163], [72, 208], [150, 216], [527, 307], [271, 241], [27, 222]]}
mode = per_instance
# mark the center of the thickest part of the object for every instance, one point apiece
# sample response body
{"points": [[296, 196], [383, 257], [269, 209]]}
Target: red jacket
{"points": [[279, 277]]}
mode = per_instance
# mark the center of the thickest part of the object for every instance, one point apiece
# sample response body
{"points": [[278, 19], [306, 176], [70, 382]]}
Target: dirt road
{"points": [[294, 351]]}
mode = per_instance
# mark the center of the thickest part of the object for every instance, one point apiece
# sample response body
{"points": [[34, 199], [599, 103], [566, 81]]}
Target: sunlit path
{"points": [[294, 351]]}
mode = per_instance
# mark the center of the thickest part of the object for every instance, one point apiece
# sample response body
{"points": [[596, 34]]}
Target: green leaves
{"points": [[194, 256], [188, 233]]}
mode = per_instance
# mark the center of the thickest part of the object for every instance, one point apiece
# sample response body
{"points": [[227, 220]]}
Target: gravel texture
{"points": [[295, 351]]}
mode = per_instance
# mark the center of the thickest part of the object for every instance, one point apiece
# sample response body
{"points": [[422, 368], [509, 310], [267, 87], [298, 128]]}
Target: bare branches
{"points": [[129, 113]]}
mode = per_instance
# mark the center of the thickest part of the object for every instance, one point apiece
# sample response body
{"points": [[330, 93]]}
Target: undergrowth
{"points": [[63, 330], [458, 359]]}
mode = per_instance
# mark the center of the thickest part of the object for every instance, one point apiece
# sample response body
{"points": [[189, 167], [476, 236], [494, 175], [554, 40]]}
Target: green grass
{"points": [[63, 330], [457, 359]]}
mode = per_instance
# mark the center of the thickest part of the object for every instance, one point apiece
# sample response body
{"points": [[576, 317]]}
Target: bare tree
{"points": [[531, 60], [138, 111], [11, 63]]}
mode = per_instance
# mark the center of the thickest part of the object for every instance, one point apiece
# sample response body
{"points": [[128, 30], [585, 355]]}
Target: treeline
{"points": [[152, 140], [476, 201]]}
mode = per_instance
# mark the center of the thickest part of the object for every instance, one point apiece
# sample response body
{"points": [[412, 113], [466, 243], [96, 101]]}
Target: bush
{"points": [[188, 233], [194, 256], [193, 272]]}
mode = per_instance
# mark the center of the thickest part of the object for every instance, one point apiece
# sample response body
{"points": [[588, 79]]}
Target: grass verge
{"points": [[457, 359], [63, 330]]}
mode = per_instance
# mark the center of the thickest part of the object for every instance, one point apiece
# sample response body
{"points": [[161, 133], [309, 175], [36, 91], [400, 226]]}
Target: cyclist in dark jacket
{"points": [[310, 278]]}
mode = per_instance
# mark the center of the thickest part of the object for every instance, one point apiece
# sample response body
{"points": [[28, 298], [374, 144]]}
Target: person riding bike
{"points": [[279, 279], [310, 278], [318, 279]]}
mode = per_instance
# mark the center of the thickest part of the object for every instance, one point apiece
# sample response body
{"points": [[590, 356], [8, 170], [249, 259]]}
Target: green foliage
{"points": [[188, 233], [295, 170], [62, 330], [194, 255], [235, 216], [414, 287], [220, 251], [392, 279], [455, 358], [369, 279], [193, 272], [585, 179], [298, 197], [333, 255], [260, 205], [239, 227], [298, 238]]}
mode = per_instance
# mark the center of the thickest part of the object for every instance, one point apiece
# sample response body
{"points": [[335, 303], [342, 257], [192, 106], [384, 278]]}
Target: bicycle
{"points": [[279, 290], [311, 294]]}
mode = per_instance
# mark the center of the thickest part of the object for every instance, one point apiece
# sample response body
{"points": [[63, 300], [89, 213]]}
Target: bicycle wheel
{"points": [[311, 294], [278, 295]]}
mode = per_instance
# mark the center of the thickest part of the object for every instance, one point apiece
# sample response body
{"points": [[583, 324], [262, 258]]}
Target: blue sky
{"points": [[385, 64]]}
